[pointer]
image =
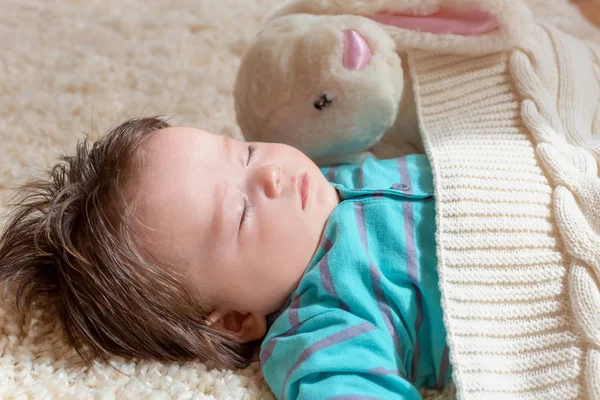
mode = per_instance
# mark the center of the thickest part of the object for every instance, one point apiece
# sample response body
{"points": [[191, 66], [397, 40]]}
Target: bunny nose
{"points": [[357, 53]]}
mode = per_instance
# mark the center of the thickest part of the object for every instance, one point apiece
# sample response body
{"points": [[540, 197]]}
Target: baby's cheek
{"points": [[289, 239]]}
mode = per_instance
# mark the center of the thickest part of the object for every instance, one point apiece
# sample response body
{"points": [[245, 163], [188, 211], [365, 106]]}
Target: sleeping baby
{"points": [[171, 243]]}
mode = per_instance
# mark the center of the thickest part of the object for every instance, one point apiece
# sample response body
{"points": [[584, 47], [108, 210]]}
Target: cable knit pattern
{"points": [[574, 175], [518, 227]]}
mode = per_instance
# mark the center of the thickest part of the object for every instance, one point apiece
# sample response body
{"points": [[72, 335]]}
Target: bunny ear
{"points": [[448, 26], [445, 21], [458, 26]]}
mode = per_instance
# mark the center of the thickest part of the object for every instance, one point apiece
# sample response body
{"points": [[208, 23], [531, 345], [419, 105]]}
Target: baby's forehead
{"points": [[180, 134], [181, 143], [173, 208]]}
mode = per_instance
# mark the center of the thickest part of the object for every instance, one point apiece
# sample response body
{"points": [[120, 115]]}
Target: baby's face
{"points": [[241, 221]]}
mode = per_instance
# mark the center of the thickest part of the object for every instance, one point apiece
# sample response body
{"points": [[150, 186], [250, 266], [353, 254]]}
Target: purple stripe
{"points": [[444, 366], [293, 311], [409, 238], [384, 307], [404, 174], [418, 323], [359, 211], [331, 174], [266, 353], [328, 341], [325, 273], [327, 281], [325, 244], [271, 318]]}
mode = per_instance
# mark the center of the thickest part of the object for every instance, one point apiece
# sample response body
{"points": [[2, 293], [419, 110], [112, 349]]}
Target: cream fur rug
{"points": [[83, 66]]}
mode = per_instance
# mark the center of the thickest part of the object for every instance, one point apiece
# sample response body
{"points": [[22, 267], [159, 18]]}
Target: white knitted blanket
{"points": [[69, 67], [518, 227]]}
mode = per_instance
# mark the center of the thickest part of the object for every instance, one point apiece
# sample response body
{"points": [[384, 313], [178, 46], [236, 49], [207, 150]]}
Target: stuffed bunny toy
{"points": [[337, 86], [328, 85]]}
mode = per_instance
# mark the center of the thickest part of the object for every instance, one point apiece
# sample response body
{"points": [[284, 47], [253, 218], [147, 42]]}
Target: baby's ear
{"points": [[246, 326]]}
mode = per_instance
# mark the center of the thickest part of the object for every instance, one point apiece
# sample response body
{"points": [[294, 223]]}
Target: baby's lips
{"points": [[357, 54]]}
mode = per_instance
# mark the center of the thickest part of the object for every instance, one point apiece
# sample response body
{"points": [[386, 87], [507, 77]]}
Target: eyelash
{"points": [[248, 207], [247, 203], [251, 152]]}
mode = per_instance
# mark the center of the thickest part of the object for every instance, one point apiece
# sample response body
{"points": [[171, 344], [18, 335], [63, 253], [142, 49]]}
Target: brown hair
{"points": [[70, 243]]}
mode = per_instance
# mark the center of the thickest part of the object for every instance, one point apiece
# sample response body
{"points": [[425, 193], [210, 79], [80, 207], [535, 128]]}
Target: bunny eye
{"points": [[322, 102]]}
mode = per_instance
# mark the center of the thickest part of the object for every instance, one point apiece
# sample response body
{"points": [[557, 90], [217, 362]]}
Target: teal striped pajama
{"points": [[365, 321]]}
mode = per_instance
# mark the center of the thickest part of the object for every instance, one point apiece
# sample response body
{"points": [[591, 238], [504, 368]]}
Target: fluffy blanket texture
{"points": [[72, 67]]}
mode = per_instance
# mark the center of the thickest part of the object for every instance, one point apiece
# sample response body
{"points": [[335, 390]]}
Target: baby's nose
{"points": [[270, 178]]}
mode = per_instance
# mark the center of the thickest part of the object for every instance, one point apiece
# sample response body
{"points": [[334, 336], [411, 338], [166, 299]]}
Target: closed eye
{"points": [[251, 152], [247, 211]]}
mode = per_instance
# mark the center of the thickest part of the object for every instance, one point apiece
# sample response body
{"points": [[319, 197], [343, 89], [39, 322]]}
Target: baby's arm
{"points": [[334, 355]]}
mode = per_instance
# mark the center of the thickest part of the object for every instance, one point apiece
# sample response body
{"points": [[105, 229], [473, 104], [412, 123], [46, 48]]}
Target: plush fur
{"points": [[297, 57]]}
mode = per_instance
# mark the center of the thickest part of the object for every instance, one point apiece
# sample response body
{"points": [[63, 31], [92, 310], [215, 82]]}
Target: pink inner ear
{"points": [[465, 23]]}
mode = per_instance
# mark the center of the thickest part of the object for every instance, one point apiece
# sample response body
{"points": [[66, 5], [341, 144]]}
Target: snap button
{"points": [[400, 186]]}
